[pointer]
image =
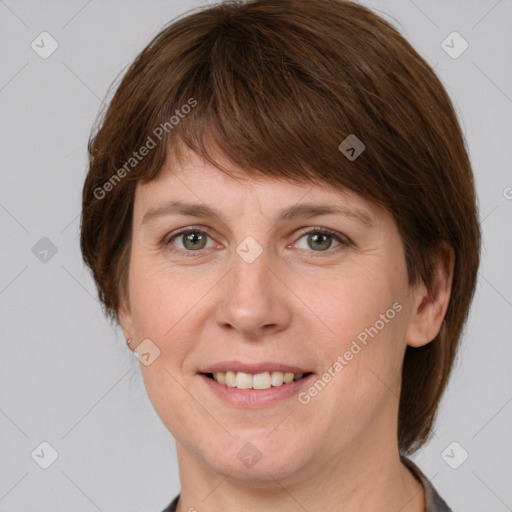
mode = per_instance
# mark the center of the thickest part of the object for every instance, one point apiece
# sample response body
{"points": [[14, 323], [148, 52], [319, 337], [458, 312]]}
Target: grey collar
{"points": [[433, 502]]}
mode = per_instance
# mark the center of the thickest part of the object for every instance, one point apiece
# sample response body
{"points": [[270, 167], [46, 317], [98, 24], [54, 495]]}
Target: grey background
{"points": [[66, 376]]}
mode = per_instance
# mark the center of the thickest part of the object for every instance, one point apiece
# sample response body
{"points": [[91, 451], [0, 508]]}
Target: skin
{"points": [[295, 303]]}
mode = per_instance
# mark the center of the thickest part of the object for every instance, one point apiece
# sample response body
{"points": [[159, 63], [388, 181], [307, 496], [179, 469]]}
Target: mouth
{"points": [[255, 384], [256, 381]]}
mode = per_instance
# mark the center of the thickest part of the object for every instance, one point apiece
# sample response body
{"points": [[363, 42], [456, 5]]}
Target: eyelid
{"points": [[188, 229], [168, 237], [335, 234], [339, 237]]}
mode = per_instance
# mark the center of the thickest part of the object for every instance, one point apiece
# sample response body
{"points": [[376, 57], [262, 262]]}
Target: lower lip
{"points": [[256, 397]]}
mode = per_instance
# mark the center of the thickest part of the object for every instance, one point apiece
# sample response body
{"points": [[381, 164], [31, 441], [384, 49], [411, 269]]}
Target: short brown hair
{"points": [[276, 86]]}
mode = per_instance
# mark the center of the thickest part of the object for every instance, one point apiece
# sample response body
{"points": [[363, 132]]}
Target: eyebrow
{"points": [[300, 211]]}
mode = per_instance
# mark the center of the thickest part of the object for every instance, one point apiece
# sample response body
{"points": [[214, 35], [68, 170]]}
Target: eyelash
{"points": [[343, 240]]}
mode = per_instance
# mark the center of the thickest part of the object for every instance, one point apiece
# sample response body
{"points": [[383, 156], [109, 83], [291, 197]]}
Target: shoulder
{"points": [[433, 501], [172, 506]]}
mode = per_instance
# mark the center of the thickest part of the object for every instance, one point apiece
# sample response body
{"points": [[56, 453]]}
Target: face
{"points": [[264, 294]]}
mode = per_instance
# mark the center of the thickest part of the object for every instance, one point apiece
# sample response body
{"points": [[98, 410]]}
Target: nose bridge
{"points": [[252, 299], [249, 276]]}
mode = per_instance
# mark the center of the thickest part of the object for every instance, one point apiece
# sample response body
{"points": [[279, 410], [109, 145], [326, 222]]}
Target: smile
{"points": [[255, 384], [263, 380]]}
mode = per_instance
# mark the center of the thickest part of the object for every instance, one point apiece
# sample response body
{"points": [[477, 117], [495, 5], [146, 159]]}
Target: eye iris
{"points": [[193, 238], [322, 238]]}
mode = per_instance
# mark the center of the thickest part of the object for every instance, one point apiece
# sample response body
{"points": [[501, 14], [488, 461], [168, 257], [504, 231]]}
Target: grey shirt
{"points": [[433, 502]]}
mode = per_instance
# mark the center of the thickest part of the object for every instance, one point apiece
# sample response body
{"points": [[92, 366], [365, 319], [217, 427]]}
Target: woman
{"points": [[280, 214]]}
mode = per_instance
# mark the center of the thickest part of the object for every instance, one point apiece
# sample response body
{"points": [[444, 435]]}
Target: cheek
{"points": [[366, 315], [165, 299], [163, 306], [362, 304], [167, 307]]}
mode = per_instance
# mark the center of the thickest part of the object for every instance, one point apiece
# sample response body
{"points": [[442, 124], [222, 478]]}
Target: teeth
{"points": [[277, 378], [263, 380], [230, 379], [243, 380], [288, 377]]}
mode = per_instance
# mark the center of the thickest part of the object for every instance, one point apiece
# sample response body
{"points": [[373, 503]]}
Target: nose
{"points": [[254, 300]]}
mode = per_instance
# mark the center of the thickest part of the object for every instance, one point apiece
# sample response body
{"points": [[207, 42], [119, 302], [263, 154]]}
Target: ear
{"points": [[124, 316], [429, 308]]}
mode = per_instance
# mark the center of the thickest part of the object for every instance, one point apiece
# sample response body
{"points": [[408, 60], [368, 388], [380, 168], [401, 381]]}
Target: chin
{"points": [[257, 458]]}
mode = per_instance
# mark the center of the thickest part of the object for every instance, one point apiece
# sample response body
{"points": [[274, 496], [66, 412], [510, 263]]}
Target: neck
{"points": [[363, 480]]}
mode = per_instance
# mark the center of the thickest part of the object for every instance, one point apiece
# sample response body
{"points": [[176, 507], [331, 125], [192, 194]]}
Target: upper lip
{"points": [[265, 366]]}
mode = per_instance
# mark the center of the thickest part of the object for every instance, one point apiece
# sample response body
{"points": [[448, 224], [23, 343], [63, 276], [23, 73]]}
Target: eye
{"points": [[321, 240], [191, 240]]}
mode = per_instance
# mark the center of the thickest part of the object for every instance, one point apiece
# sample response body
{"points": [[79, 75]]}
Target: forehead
{"points": [[194, 179]]}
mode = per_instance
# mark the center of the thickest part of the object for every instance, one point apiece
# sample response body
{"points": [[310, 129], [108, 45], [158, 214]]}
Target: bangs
{"points": [[264, 104]]}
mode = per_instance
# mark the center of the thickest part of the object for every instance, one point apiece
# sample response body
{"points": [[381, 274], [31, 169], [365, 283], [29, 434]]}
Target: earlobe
{"points": [[125, 320], [430, 306]]}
